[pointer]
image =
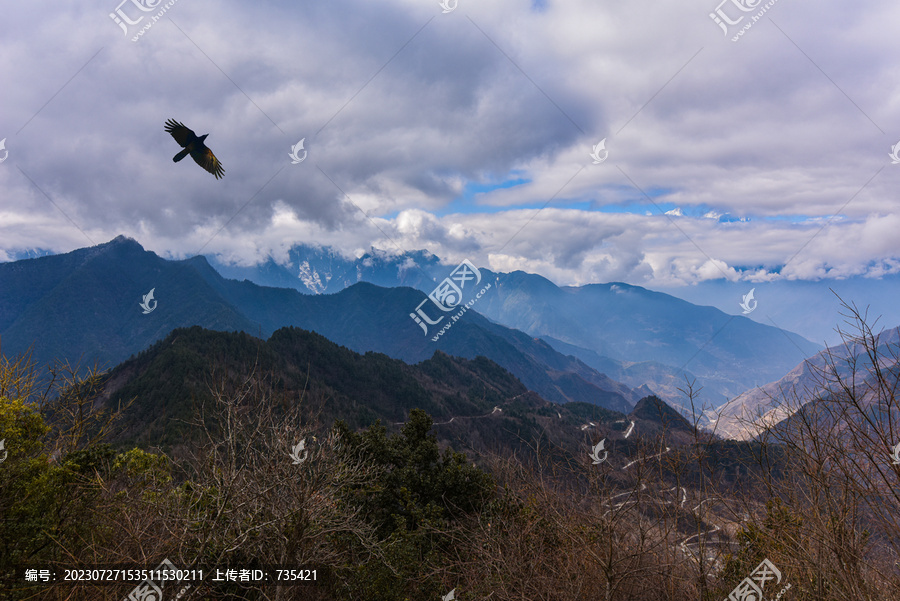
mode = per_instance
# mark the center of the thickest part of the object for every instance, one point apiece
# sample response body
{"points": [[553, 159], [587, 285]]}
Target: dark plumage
{"points": [[193, 145]]}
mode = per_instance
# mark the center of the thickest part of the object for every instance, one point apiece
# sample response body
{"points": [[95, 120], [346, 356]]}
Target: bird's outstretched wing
{"points": [[206, 159], [180, 132]]}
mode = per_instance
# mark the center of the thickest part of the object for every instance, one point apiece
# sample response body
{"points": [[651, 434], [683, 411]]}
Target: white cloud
{"points": [[400, 119]]}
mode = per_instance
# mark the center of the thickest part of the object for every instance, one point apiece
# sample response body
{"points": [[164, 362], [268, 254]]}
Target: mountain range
{"points": [[605, 344], [474, 402], [634, 335], [84, 307], [811, 308]]}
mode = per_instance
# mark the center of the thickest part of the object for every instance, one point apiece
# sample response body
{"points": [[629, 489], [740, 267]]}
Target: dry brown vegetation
{"points": [[389, 517]]}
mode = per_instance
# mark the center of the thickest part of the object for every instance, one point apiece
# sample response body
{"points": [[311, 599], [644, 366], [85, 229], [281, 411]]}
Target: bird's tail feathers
{"points": [[180, 155]]}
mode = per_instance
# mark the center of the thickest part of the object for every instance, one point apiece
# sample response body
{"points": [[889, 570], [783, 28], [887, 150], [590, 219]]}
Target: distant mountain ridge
{"points": [[632, 334], [84, 305], [810, 308], [810, 380]]}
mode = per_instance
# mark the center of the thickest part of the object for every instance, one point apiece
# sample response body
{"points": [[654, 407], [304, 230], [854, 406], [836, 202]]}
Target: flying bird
{"points": [[193, 145]]}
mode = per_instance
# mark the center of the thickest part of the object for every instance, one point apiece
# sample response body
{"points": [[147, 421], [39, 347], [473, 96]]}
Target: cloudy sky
{"points": [[468, 133]]}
